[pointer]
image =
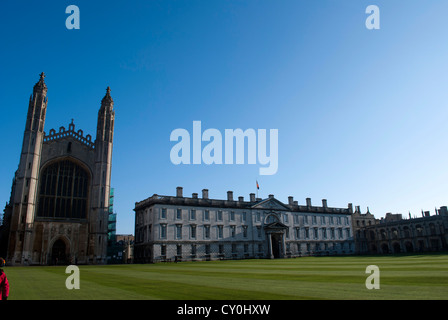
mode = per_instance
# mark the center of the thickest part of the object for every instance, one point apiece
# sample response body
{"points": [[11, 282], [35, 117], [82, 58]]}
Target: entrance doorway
{"points": [[277, 243], [58, 255]]}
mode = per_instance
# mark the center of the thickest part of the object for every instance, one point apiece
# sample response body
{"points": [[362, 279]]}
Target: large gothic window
{"points": [[64, 188]]}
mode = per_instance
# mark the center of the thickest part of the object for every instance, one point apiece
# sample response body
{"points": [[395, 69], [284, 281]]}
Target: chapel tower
{"points": [[26, 176], [103, 166]]}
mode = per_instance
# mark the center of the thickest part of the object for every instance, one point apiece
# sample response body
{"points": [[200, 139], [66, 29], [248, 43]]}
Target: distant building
{"points": [[126, 242], [192, 228], [394, 234], [360, 221]]}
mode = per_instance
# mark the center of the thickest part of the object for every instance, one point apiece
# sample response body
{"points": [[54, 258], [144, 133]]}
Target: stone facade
{"points": [[178, 228], [58, 210], [394, 234]]}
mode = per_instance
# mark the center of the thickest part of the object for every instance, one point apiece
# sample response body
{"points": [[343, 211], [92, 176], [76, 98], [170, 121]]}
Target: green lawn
{"points": [[401, 277]]}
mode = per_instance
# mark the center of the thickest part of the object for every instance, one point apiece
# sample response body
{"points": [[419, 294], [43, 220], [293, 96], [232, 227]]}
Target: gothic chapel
{"points": [[58, 210]]}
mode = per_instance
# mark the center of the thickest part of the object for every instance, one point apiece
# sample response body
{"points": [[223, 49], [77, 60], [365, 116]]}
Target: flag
{"points": [[258, 187]]}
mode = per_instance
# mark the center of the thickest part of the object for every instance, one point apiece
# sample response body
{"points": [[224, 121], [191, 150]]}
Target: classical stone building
{"points": [[58, 210], [178, 228]]}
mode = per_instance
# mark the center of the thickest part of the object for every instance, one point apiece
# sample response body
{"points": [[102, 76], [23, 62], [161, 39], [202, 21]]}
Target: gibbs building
{"points": [[179, 228], [58, 209]]}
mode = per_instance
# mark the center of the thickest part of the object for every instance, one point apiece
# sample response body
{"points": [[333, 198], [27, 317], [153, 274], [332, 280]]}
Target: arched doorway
{"points": [[409, 246], [58, 253], [275, 232]]}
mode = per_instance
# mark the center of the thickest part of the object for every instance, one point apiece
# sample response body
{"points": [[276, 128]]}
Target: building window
{"points": [[297, 233], [64, 190], [324, 233], [296, 219], [178, 231], [244, 231], [192, 214], [220, 233], [285, 218], [243, 217], [163, 213], [206, 215], [163, 250], [179, 250], [193, 231], [163, 231], [316, 233], [259, 231], [206, 232], [179, 214], [219, 215], [307, 233], [232, 231], [232, 215]]}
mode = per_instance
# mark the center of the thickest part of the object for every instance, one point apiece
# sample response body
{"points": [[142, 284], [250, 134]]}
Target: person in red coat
{"points": [[4, 284]]}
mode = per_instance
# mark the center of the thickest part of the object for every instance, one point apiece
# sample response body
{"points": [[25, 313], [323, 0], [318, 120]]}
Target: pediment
{"points": [[275, 226], [271, 204]]}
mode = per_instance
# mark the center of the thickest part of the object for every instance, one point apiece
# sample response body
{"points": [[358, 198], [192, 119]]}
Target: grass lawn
{"points": [[401, 277]]}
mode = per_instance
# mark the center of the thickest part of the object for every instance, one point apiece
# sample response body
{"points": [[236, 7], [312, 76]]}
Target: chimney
{"points": [[241, 199], [252, 197], [324, 203], [204, 193], [229, 195], [271, 196], [194, 195], [358, 209], [350, 207], [308, 202], [179, 192], [290, 200]]}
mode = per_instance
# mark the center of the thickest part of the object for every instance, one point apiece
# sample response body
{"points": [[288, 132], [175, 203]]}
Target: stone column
{"points": [[283, 253], [271, 254]]}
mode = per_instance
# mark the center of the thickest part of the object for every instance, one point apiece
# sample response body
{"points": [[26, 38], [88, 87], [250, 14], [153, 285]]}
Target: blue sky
{"points": [[361, 114]]}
